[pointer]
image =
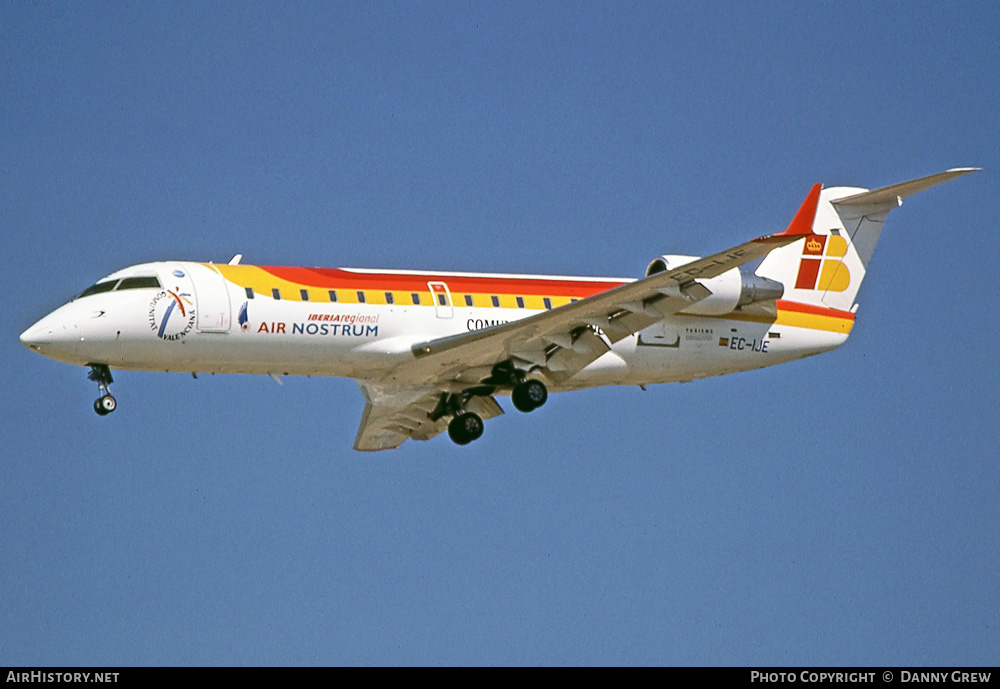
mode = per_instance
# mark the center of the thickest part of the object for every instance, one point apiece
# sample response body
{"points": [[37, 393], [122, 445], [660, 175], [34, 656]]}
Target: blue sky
{"points": [[839, 510]]}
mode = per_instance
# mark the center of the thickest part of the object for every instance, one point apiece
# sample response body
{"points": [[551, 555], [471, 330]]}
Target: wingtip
{"points": [[802, 223]]}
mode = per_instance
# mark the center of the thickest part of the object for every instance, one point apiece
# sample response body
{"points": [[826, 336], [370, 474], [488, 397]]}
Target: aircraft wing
{"points": [[556, 339], [561, 342], [393, 414]]}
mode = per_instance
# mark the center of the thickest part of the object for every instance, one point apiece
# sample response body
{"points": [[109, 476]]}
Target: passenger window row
{"points": [[363, 297]]}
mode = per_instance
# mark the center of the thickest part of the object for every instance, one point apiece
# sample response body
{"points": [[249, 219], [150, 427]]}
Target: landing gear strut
{"points": [[101, 374]]}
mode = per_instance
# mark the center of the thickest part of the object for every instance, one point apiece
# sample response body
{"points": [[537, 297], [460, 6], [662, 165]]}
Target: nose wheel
{"points": [[105, 405], [101, 374]]}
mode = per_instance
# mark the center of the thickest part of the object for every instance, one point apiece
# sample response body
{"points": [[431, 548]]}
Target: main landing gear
{"points": [[101, 374], [529, 395], [466, 426]]}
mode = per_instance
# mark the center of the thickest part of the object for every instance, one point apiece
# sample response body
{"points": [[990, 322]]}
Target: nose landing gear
{"points": [[101, 374]]}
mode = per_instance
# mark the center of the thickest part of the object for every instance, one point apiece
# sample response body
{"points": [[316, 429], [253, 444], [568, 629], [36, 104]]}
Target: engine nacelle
{"points": [[729, 290]]}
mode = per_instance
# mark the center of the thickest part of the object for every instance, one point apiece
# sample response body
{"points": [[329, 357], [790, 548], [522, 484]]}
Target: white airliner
{"points": [[431, 351]]}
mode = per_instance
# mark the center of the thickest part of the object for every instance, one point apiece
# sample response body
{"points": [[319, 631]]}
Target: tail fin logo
{"points": [[823, 270]]}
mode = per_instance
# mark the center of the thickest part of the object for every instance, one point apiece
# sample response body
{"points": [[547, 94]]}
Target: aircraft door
{"points": [[443, 307], [212, 298]]}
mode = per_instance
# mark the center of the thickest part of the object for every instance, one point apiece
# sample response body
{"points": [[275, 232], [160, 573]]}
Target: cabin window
{"points": [[388, 298], [304, 293], [548, 303], [496, 300], [98, 288], [249, 292], [333, 295], [361, 297], [416, 299], [520, 302], [468, 300], [139, 283], [276, 293], [442, 300]]}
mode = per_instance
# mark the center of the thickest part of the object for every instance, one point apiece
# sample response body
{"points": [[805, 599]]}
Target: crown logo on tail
{"points": [[821, 269]]}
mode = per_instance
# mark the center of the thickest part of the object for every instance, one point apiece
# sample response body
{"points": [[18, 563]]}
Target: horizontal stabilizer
{"points": [[892, 194]]}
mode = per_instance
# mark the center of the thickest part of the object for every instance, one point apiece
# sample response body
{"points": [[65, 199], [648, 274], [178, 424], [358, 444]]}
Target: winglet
{"points": [[802, 223]]}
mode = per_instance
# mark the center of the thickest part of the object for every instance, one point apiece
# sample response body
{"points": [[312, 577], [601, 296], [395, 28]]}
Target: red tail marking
{"points": [[808, 272], [803, 221]]}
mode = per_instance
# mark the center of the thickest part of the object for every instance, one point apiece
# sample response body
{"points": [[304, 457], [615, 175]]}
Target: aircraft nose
{"points": [[31, 338], [52, 335]]}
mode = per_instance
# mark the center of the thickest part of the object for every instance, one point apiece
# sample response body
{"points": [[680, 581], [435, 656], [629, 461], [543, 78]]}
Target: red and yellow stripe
{"points": [[533, 290], [814, 317], [319, 281]]}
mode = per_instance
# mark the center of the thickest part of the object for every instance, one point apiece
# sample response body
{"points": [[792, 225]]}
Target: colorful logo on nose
{"points": [[171, 314], [822, 266]]}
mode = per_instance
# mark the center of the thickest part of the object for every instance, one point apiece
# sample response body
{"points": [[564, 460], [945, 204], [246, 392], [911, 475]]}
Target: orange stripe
{"points": [[335, 278], [480, 287], [795, 315], [815, 310]]}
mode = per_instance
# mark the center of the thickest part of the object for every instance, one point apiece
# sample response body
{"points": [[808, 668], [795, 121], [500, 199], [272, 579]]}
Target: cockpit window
{"points": [[98, 288], [144, 282], [139, 283]]}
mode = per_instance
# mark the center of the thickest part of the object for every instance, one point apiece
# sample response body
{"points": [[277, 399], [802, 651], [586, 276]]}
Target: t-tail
{"points": [[827, 267]]}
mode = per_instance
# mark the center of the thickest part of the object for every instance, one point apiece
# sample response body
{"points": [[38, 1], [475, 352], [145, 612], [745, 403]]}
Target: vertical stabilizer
{"points": [[827, 267]]}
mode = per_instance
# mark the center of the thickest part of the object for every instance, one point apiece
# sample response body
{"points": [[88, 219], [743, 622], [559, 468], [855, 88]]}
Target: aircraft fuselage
{"points": [[207, 318]]}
